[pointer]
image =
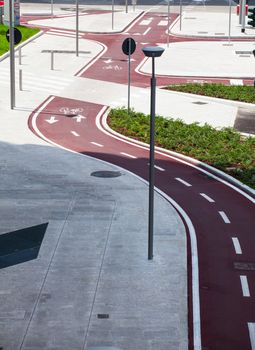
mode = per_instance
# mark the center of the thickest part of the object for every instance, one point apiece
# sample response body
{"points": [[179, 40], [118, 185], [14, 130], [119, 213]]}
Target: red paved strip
{"points": [[224, 310]]}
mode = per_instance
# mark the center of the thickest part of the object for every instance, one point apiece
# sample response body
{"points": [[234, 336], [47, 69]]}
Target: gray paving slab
{"points": [[93, 258]]}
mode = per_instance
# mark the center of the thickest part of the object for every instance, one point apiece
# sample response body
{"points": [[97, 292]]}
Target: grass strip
{"points": [[25, 31], [224, 149], [231, 92]]}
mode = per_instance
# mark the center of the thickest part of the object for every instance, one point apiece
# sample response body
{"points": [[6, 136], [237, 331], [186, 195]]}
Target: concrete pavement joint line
{"points": [[210, 171], [245, 286], [183, 181], [209, 199], [96, 144], [191, 231], [224, 217], [99, 276], [238, 249], [251, 327], [70, 207], [128, 155]]}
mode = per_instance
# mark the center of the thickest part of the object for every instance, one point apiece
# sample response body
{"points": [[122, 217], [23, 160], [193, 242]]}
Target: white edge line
{"points": [[178, 208], [245, 286], [193, 244], [170, 154], [224, 217], [238, 249], [95, 59], [251, 327]]}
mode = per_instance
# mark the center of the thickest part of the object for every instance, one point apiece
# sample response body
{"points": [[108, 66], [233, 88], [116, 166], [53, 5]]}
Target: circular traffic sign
{"points": [[128, 46], [17, 36]]}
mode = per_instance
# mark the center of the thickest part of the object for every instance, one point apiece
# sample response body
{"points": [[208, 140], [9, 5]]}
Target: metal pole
{"points": [[243, 16], [112, 14], [126, 6], [229, 22], [12, 55], [168, 21], [129, 69], [152, 170], [51, 8], [20, 56], [240, 11], [20, 79], [77, 28], [52, 60], [180, 15]]}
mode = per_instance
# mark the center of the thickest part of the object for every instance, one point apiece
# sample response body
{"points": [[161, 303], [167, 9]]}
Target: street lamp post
{"points": [[152, 51]]}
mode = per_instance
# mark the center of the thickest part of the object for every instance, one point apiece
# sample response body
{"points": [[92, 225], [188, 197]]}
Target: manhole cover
{"points": [[102, 315], [105, 173], [200, 103], [244, 266]]}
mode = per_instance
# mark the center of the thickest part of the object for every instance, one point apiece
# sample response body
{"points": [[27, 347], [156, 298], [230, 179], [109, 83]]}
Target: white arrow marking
{"points": [[79, 118], [51, 120]]}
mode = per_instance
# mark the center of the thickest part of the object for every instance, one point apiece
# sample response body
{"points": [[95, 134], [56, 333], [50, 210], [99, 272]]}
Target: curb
{"points": [[228, 178]]}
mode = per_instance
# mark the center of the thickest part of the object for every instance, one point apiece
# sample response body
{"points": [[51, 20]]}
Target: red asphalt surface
{"points": [[224, 311]]}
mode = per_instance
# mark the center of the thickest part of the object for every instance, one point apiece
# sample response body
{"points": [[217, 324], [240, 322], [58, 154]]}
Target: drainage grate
{"points": [[244, 55], [219, 33], [244, 266], [200, 103], [101, 348], [105, 173], [190, 18], [102, 315], [202, 32], [243, 52]]}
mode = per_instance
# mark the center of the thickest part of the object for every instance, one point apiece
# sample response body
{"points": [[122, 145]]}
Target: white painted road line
{"points": [[145, 22], [245, 286], [97, 144], [159, 168], [75, 133], [224, 217], [251, 327], [209, 199], [237, 246], [128, 155], [147, 31], [183, 182]]}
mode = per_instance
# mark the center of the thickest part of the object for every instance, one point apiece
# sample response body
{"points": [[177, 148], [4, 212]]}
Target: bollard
{"points": [[20, 56], [52, 60], [20, 79]]}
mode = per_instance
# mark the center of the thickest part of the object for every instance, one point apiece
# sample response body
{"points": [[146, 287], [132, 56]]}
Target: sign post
{"points": [[128, 48]]}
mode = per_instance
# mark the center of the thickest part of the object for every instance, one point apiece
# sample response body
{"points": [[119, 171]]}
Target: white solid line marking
{"points": [[224, 217], [245, 287], [183, 182], [251, 327], [209, 199], [237, 246], [128, 155], [97, 144], [74, 133], [147, 30]]}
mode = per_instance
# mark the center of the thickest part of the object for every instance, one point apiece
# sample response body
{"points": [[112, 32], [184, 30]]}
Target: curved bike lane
{"points": [[223, 218]]}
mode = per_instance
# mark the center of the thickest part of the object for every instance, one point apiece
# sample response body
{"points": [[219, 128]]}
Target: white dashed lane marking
{"points": [[245, 286], [224, 217], [209, 199], [75, 133], [97, 144], [183, 182], [147, 31], [237, 246], [251, 327], [128, 155], [159, 168]]}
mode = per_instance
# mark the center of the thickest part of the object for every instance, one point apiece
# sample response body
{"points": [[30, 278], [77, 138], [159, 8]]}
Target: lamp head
{"points": [[153, 51]]}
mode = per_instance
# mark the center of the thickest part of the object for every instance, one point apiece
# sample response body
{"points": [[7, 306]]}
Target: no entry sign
{"points": [[17, 36], [128, 46]]}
